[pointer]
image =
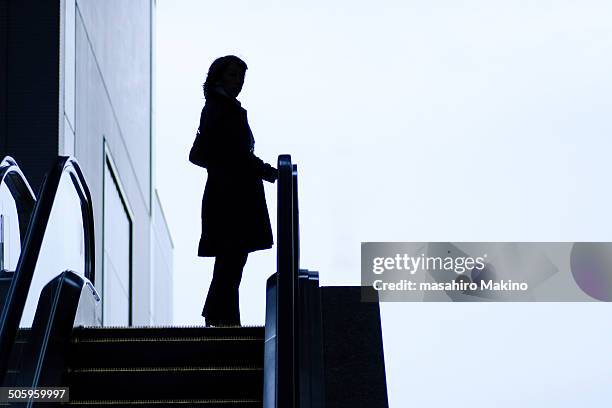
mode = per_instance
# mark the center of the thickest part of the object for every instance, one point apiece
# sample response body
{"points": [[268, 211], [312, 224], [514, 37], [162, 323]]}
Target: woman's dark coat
{"points": [[234, 212]]}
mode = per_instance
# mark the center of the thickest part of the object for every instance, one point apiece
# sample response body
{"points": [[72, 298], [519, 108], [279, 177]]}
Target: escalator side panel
{"points": [[46, 352]]}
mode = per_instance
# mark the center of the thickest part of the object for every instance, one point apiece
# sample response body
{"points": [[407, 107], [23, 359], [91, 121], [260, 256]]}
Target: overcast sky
{"points": [[414, 121]]}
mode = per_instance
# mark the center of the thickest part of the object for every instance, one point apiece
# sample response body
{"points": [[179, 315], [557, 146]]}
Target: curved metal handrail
{"points": [[46, 352], [12, 176], [18, 292]]}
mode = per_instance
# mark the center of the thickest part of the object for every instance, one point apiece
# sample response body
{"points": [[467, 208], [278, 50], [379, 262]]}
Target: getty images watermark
{"points": [[486, 271]]}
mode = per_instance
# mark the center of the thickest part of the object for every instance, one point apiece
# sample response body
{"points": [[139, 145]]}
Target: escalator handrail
{"points": [[287, 263], [293, 347], [18, 292], [12, 176]]}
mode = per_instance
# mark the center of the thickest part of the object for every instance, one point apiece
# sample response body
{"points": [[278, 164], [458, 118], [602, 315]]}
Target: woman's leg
{"points": [[222, 303], [235, 276], [212, 311]]}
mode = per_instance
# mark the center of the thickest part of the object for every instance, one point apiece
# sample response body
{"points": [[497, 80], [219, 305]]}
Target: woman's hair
{"points": [[215, 72]]}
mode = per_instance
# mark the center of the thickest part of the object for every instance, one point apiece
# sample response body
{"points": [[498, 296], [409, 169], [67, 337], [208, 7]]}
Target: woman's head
{"points": [[227, 72]]}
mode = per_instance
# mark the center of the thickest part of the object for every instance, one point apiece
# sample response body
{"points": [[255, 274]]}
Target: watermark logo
{"points": [[486, 271]]}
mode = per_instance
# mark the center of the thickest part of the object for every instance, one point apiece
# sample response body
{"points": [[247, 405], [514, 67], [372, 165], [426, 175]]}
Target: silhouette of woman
{"points": [[235, 218]]}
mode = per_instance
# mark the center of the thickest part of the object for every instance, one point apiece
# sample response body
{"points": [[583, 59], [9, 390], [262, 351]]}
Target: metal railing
{"points": [[293, 366], [66, 168], [23, 199], [21, 192]]}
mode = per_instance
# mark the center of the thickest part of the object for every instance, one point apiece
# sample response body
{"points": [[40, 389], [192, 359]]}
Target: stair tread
{"points": [[166, 365], [219, 337], [167, 384], [163, 369], [168, 401], [147, 333], [165, 354]]}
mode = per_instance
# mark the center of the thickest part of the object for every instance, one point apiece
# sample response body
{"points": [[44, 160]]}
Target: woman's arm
{"points": [[261, 169], [215, 146]]}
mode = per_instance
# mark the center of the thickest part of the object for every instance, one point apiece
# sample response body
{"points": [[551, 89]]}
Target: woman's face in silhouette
{"points": [[232, 79]]}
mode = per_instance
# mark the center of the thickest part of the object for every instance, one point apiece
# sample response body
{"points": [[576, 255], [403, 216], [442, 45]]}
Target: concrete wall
{"points": [[113, 104], [163, 265], [76, 78]]}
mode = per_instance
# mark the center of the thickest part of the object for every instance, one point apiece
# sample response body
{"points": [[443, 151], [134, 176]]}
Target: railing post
{"points": [[286, 379], [293, 368]]}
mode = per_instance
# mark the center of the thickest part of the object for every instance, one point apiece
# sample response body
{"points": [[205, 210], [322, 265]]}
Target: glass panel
{"points": [[62, 247], [116, 277], [10, 242]]}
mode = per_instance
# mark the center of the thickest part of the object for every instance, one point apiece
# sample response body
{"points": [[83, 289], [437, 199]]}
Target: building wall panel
{"points": [[96, 122]]}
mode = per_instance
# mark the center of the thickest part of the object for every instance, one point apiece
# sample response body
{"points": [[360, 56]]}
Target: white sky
{"points": [[414, 121]]}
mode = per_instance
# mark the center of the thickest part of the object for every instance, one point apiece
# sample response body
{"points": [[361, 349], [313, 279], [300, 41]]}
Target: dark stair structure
{"points": [[320, 347], [166, 366]]}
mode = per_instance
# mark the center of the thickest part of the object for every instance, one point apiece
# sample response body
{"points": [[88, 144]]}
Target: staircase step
{"points": [[166, 351], [17, 350], [23, 334], [162, 383], [205, 403], [10, 378], [107, 347], [117, 333]]}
